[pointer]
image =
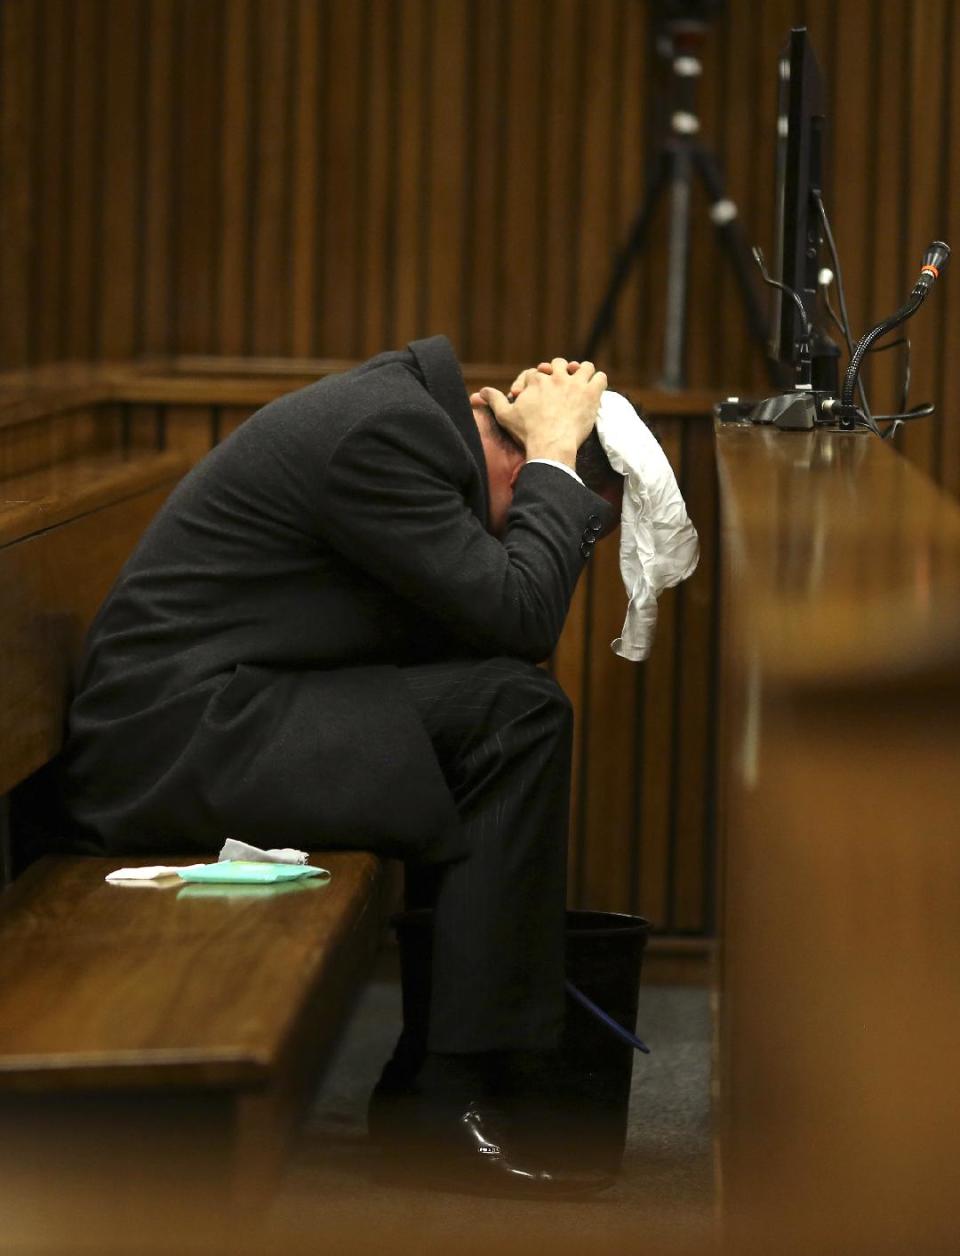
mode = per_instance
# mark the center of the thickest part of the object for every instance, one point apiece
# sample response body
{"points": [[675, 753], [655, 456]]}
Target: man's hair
{"points": [[593, 466]]}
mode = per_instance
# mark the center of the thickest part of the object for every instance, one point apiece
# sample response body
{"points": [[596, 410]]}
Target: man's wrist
{"points": [[548, 452]]}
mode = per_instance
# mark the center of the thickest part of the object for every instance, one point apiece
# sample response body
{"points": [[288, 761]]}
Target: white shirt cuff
{"points": [[561, 465]]}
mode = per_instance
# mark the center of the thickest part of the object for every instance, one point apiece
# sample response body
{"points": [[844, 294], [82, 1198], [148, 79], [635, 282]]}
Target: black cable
{"points": [[917, 412], [841, 293]]}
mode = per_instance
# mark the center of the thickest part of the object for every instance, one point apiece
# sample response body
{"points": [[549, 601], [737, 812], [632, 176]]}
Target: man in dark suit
{"points": [[328, 636]]}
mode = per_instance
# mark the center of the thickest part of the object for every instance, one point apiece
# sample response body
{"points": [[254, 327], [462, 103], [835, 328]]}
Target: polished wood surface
{"points": [[66, 490], [65, 532], [840, 813], [105, 986]]}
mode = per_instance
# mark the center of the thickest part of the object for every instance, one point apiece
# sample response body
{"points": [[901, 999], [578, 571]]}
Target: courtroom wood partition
{"points": [[840, 800]]}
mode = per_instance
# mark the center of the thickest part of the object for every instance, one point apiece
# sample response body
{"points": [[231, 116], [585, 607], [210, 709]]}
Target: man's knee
{"points": [[521, 688]]}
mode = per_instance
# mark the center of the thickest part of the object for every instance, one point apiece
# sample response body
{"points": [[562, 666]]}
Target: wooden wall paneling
{"points": [[198, 80], [305, 187], [449, 86], [707, 262], [526, 72], [155, 313], [950, 296], [271, 261], [17, 140], [598, 221], [379, 176], [230, 419], [568, 666], [695, 711], [189, 430], [654, 767], [607, 803], [848, 203], [233, 286], [558, 174], [886, 141], [86, 153], [344, 110], [737, 145], [51, 439], [927, 217], [51, 120], [628, 156], [713, 108], [144, 427], [120, 66], [487, 177]]}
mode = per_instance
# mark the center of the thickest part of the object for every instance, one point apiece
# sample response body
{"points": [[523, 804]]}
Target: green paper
{"points": [[251, 871]]}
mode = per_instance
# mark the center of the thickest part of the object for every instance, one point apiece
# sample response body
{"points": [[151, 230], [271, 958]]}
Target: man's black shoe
{"points": [[473, 1152]]}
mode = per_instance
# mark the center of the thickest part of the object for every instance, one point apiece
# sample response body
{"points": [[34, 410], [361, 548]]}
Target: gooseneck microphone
{"points": [[934, 261]]}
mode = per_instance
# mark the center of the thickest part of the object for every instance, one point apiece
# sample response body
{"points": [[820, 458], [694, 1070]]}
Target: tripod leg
{"points": [[678, 265], [730, 232], [624, 260]]}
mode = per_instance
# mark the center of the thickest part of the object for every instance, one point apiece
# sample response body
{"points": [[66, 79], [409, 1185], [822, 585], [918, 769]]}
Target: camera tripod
{"points": [[680, 157]]}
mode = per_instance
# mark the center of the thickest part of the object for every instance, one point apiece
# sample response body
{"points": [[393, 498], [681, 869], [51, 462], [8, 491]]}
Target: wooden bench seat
{"points": [[157, 1043]]}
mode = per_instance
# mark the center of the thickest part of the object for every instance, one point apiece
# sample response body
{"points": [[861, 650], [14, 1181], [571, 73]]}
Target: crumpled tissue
{"points": [[659, 546]]}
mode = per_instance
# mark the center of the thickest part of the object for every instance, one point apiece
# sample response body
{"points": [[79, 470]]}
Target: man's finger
{"points": [[559, 365], [586, 369], [497, 402]]}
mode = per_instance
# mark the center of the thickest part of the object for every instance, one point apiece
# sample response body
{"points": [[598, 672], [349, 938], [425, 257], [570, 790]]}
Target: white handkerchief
{"points": [[658, 543]]}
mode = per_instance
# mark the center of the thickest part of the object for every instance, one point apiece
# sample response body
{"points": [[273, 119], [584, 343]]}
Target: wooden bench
{"points": [[156, 1044]]}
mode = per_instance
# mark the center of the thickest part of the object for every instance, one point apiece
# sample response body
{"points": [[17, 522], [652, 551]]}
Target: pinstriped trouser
{"points": [[502, 732]]}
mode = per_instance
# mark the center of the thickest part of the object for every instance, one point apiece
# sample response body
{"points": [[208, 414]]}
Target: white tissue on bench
{"points": [[233, 848]]}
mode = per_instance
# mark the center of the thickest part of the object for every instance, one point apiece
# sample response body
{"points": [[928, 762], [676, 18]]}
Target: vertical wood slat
{"points": [[156, 315], [691, 836], [271, 263], [891, 74], [371, 334], [950, 388], [927, 216], [17, 137], [486, 178], [116, 323], [196, 219], [340, 211], [234, 292], [655, 763], [305, 176], [52, 82]]}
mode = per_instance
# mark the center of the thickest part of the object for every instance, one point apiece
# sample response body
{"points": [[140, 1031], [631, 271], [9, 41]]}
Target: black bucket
{"points": [[588, 1097]]}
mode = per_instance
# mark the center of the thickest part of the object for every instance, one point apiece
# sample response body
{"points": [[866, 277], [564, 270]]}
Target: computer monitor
{"points": [[801, 126]]}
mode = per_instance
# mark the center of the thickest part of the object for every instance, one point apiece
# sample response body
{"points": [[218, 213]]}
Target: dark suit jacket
{"points": [[242, 677]]}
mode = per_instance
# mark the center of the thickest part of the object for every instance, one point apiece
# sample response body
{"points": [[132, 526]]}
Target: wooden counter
{"points": [[839, 1022]]}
